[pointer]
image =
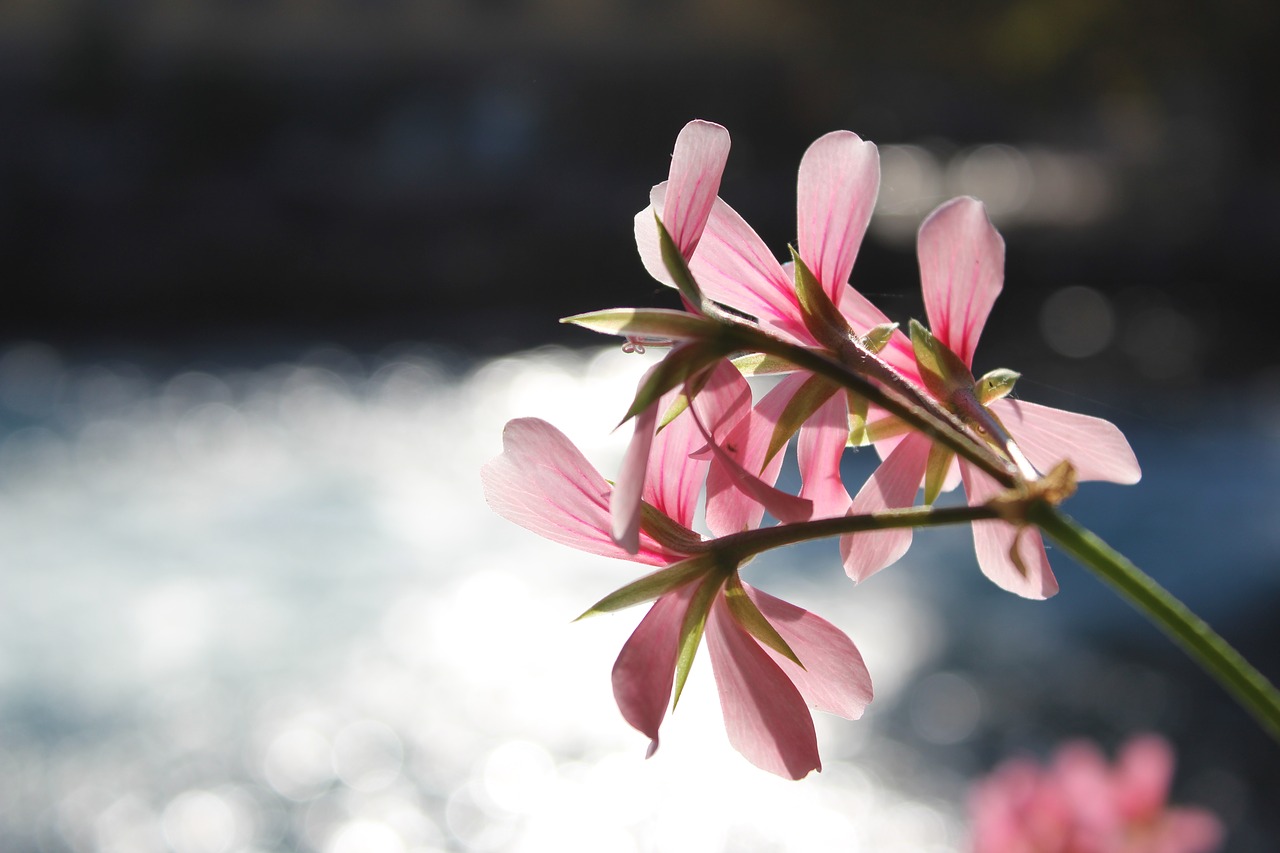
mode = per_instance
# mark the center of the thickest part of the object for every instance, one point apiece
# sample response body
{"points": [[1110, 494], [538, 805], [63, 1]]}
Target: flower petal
{"points": [[701, 151], [823, 438], [834, 678], [961, 272], [646, 666], [764, 715], [624, 503], [893, 485], [544, 484], [994, 542], [836, 192], [1095, 448]]}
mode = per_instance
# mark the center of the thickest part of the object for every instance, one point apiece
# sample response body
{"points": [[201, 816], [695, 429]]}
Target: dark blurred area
{"points": [[250, 174]]}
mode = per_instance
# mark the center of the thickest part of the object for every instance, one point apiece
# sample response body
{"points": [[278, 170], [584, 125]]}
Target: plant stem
{"points": [[1246, 684]]}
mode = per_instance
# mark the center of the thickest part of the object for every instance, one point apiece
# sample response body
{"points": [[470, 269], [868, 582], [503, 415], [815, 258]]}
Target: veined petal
{"points": [[1094, 447], [764, 714], [961, 272], [544, 484], [994, 541], [624, 503], [893, 485], [646, 666], [834, 678], [702, 149], [674, 477], [836, 191], [823, 439]]}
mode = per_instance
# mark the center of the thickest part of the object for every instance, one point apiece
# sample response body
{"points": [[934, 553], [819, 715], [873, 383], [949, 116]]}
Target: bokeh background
{"points": [[275, 274]]}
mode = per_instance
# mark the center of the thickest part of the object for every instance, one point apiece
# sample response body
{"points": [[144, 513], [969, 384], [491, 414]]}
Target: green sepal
{"points": [[942, 370], [652, 585], [668, 532], [760, 364], [821, 316], [679, 365], [695, 621], [887, 427], [809, 397], [858, 407], [676, 266], [678, 405], [935, 472], [878, 337], [747, 615], [995, 385], [649, 322]]}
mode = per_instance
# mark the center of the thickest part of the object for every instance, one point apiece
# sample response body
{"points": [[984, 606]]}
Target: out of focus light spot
{"points": [[999, 175], [298, 763], [518, 776], [199, 822], [477, 827], [945, 708], [1077, 322], [367, 755], [173, 624], [365, 836]]}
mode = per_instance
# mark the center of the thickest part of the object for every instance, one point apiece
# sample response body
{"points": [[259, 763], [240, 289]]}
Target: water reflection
{"points": [[250, 610]]}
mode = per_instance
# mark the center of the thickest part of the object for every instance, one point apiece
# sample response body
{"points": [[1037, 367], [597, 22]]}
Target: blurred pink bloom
{"points": [[1080, 804], [543, 483], [962, 271]]}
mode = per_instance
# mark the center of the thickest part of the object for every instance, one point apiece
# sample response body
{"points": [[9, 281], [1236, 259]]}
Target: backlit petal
{"points": [[821, 444], [893, 485], [836, 191], [646, 666], [961, 272], [994, 540], [1096, 448]]}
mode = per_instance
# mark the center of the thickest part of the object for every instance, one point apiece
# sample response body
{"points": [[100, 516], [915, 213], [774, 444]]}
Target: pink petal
{"points": [[544, 484], [1144, 772], [764, 715], [893, 485], [646, 666], [624, 505], [1096, 448], [961, 272], [739, 483], [993, 541], [823, 438], [862, 315], [834, 678], [674, 477], [836, 191], [701, 151]]}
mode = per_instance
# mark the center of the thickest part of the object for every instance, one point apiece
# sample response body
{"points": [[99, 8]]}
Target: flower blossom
{"points": [[962, 271], [543, 483], [1079, 804]]}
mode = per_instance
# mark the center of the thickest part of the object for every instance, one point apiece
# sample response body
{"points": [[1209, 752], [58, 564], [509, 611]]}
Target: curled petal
{"points": [[961, 273], [764, 715], [834, 678], [994, 542], [893, 485], [544, 484], [1094, 447], [836, 191], [624, 503]]}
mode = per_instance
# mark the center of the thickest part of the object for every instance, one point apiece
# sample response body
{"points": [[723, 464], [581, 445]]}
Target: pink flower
{"points": [[1079, 804], [962, 271], [683, 202], [543, 483]]}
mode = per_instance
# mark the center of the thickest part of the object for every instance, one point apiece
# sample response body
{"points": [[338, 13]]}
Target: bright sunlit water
{"points": [[260, 610]]}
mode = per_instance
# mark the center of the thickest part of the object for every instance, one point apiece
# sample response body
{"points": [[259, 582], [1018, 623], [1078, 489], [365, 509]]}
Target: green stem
{"points": [[1248, 686]]}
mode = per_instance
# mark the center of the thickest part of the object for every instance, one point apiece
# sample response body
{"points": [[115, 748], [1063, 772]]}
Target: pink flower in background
{"points": [[543, 483], [961, 272], [1080, 804]]}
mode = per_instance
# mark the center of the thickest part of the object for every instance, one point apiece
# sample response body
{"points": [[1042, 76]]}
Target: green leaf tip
{"points": [[995, 385], [676, 266]]}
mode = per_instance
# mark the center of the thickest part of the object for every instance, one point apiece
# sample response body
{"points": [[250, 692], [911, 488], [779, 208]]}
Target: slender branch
{"points": [[1246, 684]]}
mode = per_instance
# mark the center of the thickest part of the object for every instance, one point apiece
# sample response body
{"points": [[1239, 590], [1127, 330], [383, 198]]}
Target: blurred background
{"points": [[276, 273]]}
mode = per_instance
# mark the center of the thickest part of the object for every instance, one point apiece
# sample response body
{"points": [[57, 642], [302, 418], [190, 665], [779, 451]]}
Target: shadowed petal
{"points": [[836, 191], [961, 272], [765, 716], [823, 438], [646, 666], [834, 678], [893, 485], [994, 540], [544, 484], [1096, 448]]}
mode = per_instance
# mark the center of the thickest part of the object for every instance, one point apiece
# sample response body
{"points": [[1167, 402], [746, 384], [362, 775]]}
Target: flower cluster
{"points": [[1080, 804], [848, 377]]}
